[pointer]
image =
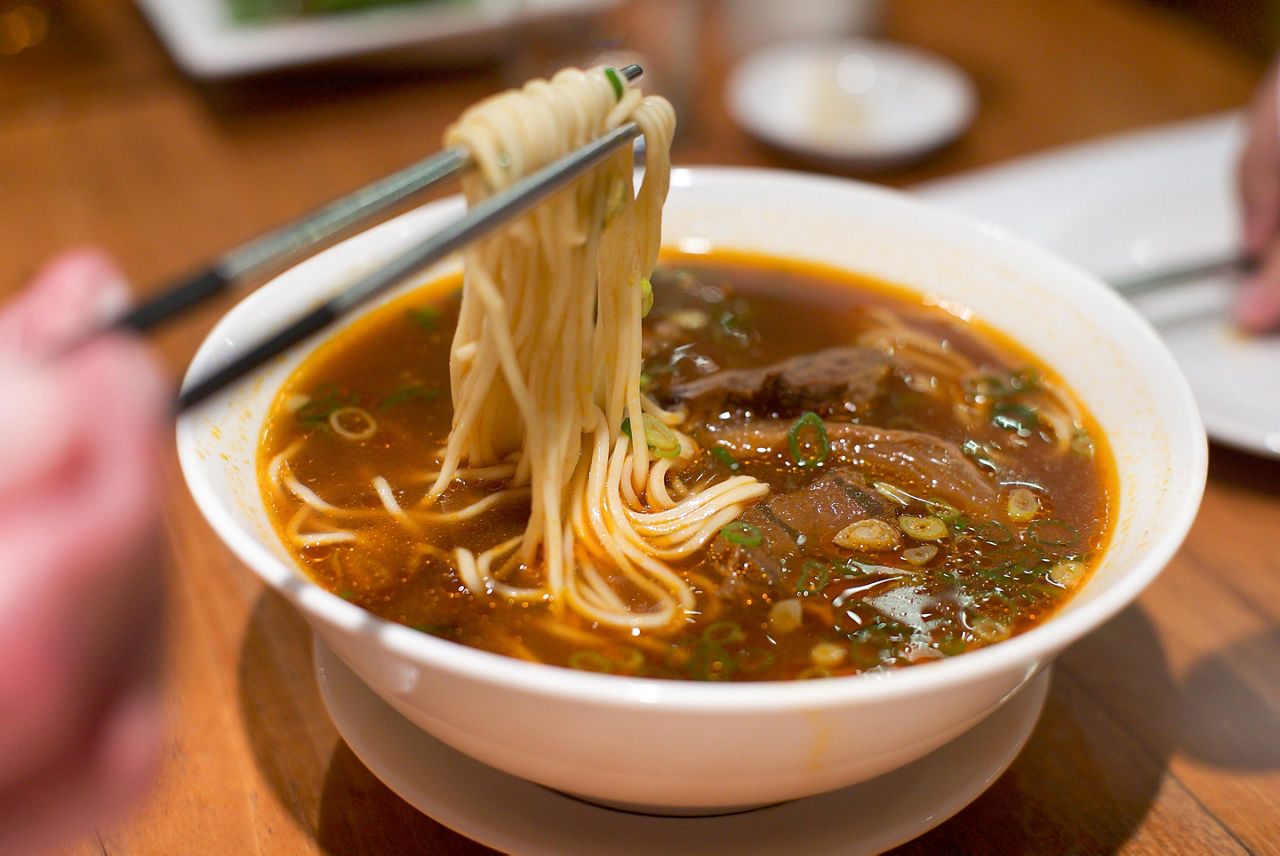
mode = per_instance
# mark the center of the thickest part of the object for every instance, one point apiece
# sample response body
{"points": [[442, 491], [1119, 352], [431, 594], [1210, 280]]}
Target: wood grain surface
{"points": [[1162, 730]]}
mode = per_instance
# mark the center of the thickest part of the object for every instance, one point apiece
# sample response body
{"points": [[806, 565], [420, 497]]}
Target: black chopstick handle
{"points": [[285, 338], [172, 300]]}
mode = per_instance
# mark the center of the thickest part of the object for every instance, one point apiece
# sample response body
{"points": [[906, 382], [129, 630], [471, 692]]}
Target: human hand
{"points": [[80, 592], [1257, 306]]}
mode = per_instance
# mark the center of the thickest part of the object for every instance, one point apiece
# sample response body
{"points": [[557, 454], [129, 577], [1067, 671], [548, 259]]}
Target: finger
{"points": [[37, 428], [95, 780], [76, 584], [71, 295], [1257, 303], [1258, 173]]}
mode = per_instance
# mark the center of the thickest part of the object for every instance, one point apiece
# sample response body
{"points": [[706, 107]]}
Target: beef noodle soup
{"points": [[910, 485]]}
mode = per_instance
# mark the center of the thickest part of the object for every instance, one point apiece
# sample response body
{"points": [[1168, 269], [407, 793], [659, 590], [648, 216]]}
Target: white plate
{"points": [[516, 816], [862, 101], [206, 43], [1140, 203]]}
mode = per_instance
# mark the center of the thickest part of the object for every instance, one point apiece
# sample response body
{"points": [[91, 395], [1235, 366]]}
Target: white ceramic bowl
{"points": [[691, 747]]}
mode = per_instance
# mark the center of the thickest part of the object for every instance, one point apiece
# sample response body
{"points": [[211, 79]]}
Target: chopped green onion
{"points": [[1052, 532], [867, 654], [994, 532], [426, 317], [821, 443], [326, 400], [662, 441], [722, 455], [615, 80], [724, 631], [590, 661], [711, 662], [814, 576], [646, 297], [742, 533], [944, 511], [409, 392], [629, 658], [1018, 418]]}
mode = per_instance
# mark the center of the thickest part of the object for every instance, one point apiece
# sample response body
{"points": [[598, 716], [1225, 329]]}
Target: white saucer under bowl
{"points": [[516, 816], [860, 101]]}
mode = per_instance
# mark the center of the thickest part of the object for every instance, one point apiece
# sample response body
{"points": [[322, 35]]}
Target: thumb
{"points": [[69, 296]]}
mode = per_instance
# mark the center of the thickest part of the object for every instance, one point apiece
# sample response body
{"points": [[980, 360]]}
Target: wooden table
{"points": [[1162, 730]]}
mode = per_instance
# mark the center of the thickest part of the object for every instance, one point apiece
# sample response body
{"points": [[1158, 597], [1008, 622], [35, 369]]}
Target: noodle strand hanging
{"points": [[546, 359]]}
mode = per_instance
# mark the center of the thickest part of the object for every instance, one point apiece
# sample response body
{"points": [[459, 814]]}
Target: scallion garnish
{"points": [[590, 661], [426, 317], [327, 399], [660, 439], [820, 444], [409, 392], [1052, 532], [722, 455], [1018, 418], [994, 532], [724, 631], [814, 576], [711, 662], [615, 80], [742, 533]]}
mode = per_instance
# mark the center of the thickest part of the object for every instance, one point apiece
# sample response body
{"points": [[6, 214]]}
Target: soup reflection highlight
{"points": [[931, 489]]}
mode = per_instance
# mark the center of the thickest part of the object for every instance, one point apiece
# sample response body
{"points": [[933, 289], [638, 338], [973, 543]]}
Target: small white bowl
{"points": [[689, 747], [863, 103]]}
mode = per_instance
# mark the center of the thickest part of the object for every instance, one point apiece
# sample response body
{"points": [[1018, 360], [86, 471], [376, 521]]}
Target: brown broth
{"points": [[991, 577]]}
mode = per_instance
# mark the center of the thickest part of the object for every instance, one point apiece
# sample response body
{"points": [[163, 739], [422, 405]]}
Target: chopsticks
{"points": [[499, 208], [1144, 283], [292, 239]]}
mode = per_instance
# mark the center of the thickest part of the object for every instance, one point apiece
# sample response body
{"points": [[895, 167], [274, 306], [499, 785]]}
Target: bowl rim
{"points": [[1027, 651]]}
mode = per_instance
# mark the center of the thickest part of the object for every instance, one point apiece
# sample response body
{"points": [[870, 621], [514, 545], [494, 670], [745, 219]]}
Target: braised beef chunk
{"points": [[921, 464], [841, 379], [797, 523]]}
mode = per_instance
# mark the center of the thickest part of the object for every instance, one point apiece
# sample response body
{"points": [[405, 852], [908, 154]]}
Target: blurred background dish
{"points": [[1142, 203], [225, 38], [860, 103]]}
